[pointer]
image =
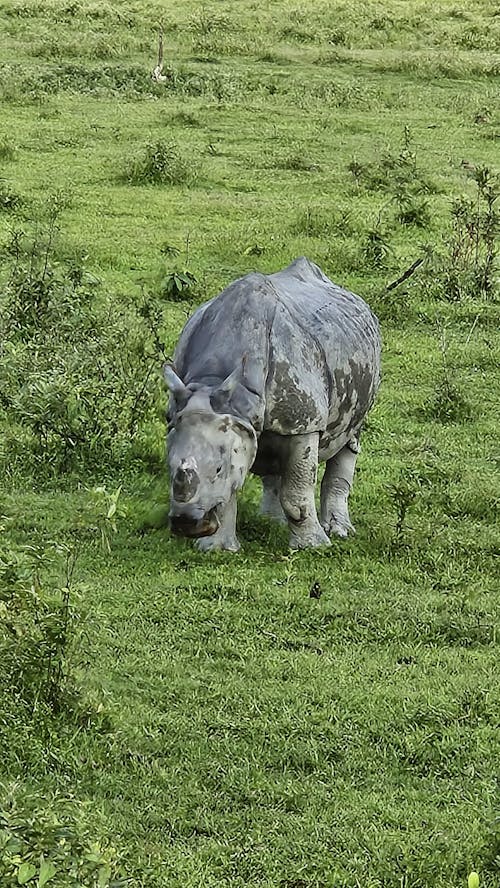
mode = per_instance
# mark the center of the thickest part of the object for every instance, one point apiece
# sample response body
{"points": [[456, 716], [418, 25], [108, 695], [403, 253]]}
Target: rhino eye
{"points": [[218, 470]]}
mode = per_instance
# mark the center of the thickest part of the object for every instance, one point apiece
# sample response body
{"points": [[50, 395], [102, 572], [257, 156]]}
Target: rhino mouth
{"points": [[186, 526]]}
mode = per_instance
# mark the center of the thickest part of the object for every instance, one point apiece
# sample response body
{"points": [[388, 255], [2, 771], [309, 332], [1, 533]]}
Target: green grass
{"points": [[223, 727]]}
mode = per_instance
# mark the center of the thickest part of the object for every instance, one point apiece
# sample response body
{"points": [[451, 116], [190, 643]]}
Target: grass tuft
{"points": [[161, 163]]}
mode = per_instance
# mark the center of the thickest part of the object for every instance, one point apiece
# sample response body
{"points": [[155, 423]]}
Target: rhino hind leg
{"points": [[271, 504], [335, 489], [225, 536], [297, 492]]}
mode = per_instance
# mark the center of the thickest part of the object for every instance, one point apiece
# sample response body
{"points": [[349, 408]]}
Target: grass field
{"points": [[174, 719]]}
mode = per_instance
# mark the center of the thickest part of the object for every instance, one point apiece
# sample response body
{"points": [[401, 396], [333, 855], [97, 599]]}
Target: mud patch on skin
{"points": [[345, 395], [363, 383], [292, 407]]}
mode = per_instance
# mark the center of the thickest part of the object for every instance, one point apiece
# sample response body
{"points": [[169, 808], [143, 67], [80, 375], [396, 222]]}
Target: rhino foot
{"points": [[271, 504], [340, 527], [215, 543], [308, 539]]}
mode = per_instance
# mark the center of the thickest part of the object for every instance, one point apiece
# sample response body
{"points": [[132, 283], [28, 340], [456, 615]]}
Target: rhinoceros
{"points": [[272, 376]]}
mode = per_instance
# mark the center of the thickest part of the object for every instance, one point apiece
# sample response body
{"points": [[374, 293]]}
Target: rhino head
{"points": [[209, 455]]}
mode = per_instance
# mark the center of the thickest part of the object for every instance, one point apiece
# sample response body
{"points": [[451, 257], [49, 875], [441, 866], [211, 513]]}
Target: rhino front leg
{"points": [[225, 536], [298, 484], [270, 504], [335, 489]]}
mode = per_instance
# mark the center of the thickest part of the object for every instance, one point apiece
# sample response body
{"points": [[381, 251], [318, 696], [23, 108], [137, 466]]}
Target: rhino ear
{"points": [[173, 381], [246, 429], [228, 386]]}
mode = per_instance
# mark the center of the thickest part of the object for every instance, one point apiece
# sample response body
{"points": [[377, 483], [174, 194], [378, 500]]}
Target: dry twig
{"points": [[157, 74]]}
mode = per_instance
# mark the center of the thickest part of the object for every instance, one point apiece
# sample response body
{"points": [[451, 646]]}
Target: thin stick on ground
{"points": [[406, 274], [157, 74]]}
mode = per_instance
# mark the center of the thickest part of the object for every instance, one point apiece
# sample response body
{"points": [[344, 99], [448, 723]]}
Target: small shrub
{"points": [[404, 492], [397, 172], [312, 223], [468, 264], [412, 210], [7, 150], [109, 510], [161, 163], [178, 285], [375, 248], [83, 399], [448, 403], [37, 629], [9, 199], [47, 841]]}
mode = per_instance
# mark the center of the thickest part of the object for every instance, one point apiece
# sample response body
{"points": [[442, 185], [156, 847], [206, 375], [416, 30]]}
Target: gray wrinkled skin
{"points": [[273, 375]]}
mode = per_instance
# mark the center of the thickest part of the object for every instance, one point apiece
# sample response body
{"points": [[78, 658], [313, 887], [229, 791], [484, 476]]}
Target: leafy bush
{"points": [[49, 840], [178, 285], [403, 492], [397, 172], [474, 245], [77, 376], [7, 149], [465, 265], [37, 628], [9, 199], [412, 209], [161, 163], [447, 403], [375, 247]]}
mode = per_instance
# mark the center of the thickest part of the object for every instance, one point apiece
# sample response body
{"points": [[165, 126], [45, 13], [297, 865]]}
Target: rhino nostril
{"points": [[185, 484]]}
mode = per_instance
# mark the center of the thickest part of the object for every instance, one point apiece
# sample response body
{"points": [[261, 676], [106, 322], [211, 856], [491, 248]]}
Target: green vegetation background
{"points": [[169, 719]]}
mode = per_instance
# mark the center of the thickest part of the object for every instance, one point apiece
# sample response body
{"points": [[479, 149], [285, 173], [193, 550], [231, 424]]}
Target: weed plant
{"points": [[7, 150], [178, 285], [53, 843], [161, 163], [38, 621], [474, 241], [448, 402], [92, 383], [9, 199]]}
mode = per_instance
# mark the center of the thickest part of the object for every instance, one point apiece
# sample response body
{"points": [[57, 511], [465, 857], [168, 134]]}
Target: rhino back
{"points": [[308, 351], [324, 355]]}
